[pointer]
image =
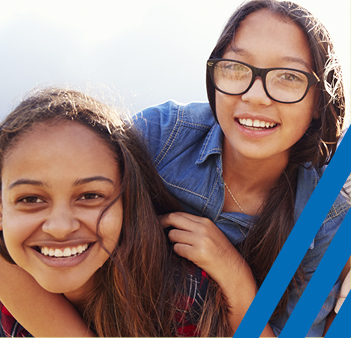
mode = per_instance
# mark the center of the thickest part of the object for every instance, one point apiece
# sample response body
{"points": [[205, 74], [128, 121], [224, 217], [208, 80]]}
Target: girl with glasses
{"points": [[248, 162]]}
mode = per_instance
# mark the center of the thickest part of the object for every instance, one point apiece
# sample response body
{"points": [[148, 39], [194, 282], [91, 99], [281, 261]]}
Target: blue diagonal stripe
{"points": [[298, 242], [341, 327], [321, 283]]}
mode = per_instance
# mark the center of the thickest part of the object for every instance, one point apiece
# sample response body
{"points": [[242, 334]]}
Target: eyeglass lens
{"points": [[281, 84]]}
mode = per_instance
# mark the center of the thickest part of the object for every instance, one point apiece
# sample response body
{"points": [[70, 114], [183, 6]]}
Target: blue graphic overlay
{"points": [[298, 242], [321, 283]]}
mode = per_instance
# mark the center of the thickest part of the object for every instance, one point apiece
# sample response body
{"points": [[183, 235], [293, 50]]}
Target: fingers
{"points": [[184, 250], [182, 220], [181, 236]]}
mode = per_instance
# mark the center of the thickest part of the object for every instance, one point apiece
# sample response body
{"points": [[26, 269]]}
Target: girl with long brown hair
{"points": [[248, 161], [79, 205]]}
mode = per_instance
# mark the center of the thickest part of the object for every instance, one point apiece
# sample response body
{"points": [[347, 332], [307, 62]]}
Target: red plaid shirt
{"points": [[197, 288], [9, 326]]}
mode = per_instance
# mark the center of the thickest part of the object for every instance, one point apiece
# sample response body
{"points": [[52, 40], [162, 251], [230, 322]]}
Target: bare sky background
{"points": [[143, 51]]}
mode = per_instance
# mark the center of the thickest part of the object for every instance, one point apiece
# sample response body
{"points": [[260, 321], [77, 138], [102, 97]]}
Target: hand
{"points": [[199, 240]]}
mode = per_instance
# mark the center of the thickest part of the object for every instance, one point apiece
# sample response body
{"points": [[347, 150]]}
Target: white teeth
{"points": [[247, 122], [66, 252], [58, 253], [256, 123]]}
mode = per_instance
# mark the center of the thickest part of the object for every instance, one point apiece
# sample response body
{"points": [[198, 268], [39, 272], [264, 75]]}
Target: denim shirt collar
{"points": [[212, 144]]}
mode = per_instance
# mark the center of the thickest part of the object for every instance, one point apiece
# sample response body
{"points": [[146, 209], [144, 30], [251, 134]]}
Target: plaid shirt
{"points": [[197, 284], [197, 288], [9, 326]]}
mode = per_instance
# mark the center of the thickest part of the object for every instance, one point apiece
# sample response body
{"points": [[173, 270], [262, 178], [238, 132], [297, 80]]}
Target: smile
{"points": [[256, 124], [63, 252]]}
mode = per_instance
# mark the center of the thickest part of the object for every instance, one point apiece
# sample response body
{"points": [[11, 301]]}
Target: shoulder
{"points": [[170, 128], [169, 113], [308, 179]]}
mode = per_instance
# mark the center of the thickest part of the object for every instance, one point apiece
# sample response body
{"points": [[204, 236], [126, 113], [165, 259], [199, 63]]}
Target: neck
{"points": [[250, 180], [79, 296]]}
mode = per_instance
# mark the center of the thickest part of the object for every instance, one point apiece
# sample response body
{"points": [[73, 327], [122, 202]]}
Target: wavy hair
{"points": [[137, 291], [315, 149]]}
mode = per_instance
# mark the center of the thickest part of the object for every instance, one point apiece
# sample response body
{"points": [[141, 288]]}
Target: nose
{"points": [[60, 223], [256, 95]]}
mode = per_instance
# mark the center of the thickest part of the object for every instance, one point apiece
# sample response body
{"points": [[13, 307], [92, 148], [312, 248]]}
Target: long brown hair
{"points": [[315, 149], [136, 292]]}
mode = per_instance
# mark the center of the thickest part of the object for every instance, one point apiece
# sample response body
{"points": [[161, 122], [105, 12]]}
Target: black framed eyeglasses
{"points": [[285, 85]]}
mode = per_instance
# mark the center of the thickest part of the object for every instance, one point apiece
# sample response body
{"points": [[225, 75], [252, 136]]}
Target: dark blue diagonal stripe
{"points": [[321, 283], [298, 242], [341, 327]]}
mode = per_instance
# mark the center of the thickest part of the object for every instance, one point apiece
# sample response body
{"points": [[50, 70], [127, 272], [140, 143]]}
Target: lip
{"points": [[63, 262]]}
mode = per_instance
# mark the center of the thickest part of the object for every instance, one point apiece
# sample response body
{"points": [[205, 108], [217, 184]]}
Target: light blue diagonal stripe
{"points": [[341, 327], [298, 242], [321, 283]]}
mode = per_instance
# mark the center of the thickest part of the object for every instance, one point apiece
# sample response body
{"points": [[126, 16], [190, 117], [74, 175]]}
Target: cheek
{"points": [[111, 226], [19, 226], [16, 230], [225, 106]]}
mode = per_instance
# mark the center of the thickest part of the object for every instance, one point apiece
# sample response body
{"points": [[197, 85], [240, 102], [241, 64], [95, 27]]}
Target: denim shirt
{"points": [[185, 143]]}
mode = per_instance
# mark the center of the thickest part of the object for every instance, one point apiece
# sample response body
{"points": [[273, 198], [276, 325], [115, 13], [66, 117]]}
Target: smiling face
{"points": [[56, 180], [255, 126]]}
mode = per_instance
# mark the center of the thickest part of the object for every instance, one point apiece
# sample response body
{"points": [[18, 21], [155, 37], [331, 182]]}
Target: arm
{"points": [[332, 314], [47, 314], [200, 241]]}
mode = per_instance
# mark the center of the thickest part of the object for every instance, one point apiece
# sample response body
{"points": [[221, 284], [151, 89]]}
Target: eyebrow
{"points": [[76, 183], [92, 179], [25, 181], [244, 52]]}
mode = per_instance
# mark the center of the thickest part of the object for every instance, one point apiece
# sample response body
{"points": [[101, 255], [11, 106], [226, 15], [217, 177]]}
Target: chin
{"points": [[58, 285]]}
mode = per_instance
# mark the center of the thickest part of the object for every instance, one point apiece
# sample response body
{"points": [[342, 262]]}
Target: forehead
{"points": [[266, 37], [64, 146]]}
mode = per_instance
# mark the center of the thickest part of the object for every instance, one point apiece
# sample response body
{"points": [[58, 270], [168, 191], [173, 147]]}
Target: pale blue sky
{"points": [[145, 51]]}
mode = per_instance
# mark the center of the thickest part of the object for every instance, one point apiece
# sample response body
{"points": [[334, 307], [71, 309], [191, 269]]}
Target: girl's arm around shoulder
{"points": [[40, 312], [199, 240]]}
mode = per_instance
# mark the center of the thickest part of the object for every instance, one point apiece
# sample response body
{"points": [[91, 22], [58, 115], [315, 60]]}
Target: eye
{"points": [[30, 200], [291, 77], [90, 196]]}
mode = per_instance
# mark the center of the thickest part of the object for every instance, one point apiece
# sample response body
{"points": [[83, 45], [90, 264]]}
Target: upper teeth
{"points": [[64, 252], [256, 123]]}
